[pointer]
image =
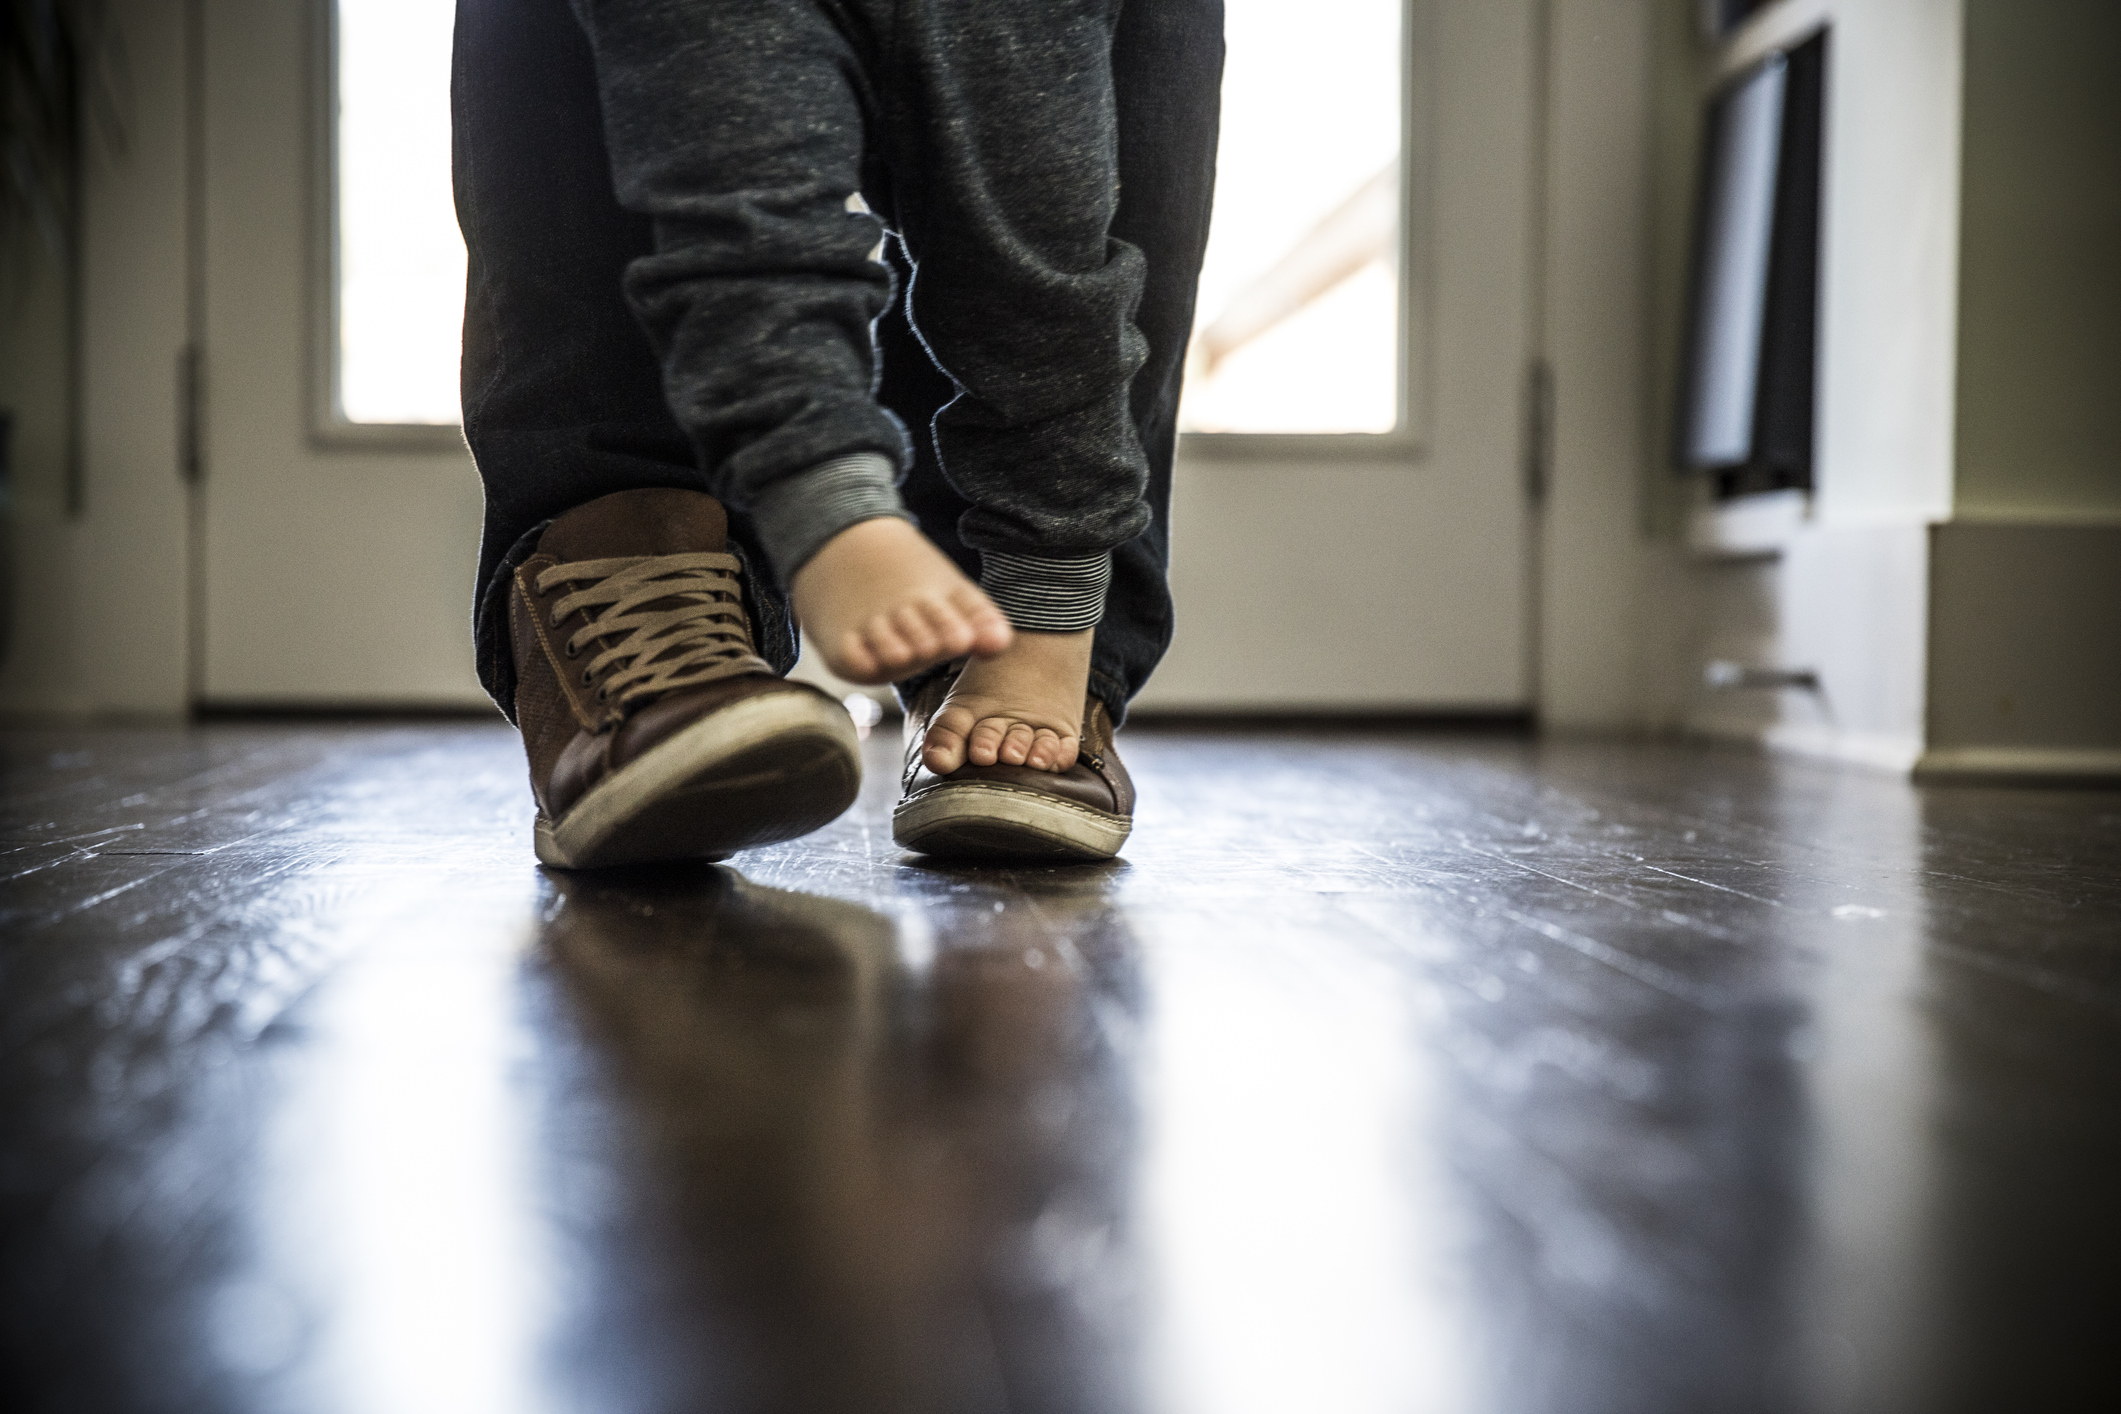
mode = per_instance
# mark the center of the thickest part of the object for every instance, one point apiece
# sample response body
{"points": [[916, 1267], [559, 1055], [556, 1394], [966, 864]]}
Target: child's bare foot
{"points": [[881, 603], [1022, 707]]}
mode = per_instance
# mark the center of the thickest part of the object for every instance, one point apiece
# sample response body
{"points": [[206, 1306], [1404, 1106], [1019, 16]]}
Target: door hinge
{"points": [[1538, 429], [191, 413]]}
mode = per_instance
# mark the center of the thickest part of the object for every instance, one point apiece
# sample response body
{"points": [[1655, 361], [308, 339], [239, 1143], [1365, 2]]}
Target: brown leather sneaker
{"points": [[654, 730], [1015, 812]]}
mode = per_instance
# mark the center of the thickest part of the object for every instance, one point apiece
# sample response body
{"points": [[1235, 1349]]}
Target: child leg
{"points": [[1003, 159], [738, 130], [1167, 61]]}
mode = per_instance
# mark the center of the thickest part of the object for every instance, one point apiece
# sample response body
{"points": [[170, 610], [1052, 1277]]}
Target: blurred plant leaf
{"points": [[61, 78]]}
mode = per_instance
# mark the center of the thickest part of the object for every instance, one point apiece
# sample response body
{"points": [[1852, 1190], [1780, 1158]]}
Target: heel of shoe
{"points": [[983, 820]]}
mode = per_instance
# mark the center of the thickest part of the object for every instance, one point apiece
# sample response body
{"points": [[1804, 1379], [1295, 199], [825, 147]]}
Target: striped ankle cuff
{"points": [[1047, 595], [798, 514]]}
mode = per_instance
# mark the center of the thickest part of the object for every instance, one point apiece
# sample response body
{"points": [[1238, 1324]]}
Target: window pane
{"points": [[401, 261], [1299, 301], [1298, 329]]}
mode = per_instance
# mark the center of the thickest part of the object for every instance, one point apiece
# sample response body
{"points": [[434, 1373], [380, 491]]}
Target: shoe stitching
{"points": [[1043, 797], [552, 655]]}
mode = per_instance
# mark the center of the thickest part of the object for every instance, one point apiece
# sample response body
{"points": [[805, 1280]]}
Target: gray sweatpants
{"points": [[982, 132]]}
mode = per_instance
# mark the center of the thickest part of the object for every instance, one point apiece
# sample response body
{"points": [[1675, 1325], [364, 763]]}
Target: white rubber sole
{"points": [[756, 772], [985, 820]]}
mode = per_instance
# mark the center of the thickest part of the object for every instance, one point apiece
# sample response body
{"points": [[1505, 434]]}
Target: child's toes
{"points": [[983, 745], [943, 754], [853, 661], [885, 645], [991, 635], [916, 632], [943, 751], [953, 634], [1016, 743], [990, 631], [1051, 751]]}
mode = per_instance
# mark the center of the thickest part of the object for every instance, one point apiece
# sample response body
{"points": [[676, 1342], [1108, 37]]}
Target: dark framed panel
{"points": [[1747, 400], [1720, 17]]}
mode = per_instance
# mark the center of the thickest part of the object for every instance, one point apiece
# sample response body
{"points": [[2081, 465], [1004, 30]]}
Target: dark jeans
{"points": [[568, 397]]}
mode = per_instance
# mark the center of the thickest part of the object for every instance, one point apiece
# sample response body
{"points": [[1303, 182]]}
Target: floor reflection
{"points": [[1854, 919], [1389, 1075], [2023, 1005], [840, 1167], [438, 1293], [1302, 1225]]}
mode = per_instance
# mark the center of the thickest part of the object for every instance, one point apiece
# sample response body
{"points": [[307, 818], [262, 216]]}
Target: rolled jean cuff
{"points": [[796, 515], [1047, 595]]}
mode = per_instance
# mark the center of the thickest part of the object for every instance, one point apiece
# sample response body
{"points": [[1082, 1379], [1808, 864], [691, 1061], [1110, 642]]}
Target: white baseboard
{"points": [[1875, 751], [2006, 765], [1894, 755], [1748, 527]]}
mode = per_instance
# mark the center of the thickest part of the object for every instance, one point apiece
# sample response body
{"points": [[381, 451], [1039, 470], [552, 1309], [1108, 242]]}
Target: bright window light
{"points": [[1299, 320], [1298, 329], [401, 262]]}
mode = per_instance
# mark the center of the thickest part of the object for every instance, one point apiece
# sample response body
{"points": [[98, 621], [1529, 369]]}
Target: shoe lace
{"points": [[657, 623]]}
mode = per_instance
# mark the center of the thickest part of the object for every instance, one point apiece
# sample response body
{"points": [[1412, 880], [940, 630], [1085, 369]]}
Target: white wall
{"points": [[332, 575], [101, 601], [1890, 261], [1841, 588], [1338, 585], [2039, 390], [1395, 586], [1596, 339], [33, 363], [1889, 251]]}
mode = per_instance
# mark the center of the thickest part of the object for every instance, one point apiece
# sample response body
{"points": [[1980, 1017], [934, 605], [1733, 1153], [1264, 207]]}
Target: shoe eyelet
{"points": [[585, 677], [573, 652]]}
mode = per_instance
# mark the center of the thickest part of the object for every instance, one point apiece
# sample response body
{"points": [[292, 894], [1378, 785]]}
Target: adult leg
{"points": [[563, 395], [1167, 67], [616, 627]]}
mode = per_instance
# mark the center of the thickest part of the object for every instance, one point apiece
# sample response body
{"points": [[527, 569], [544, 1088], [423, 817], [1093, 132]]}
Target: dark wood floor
{"points": [[1387, 1073]]}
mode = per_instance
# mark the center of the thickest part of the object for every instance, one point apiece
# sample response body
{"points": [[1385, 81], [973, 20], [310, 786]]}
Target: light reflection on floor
{"points": [[1293, 1219], [441, 1309], [1495, 1079]]}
